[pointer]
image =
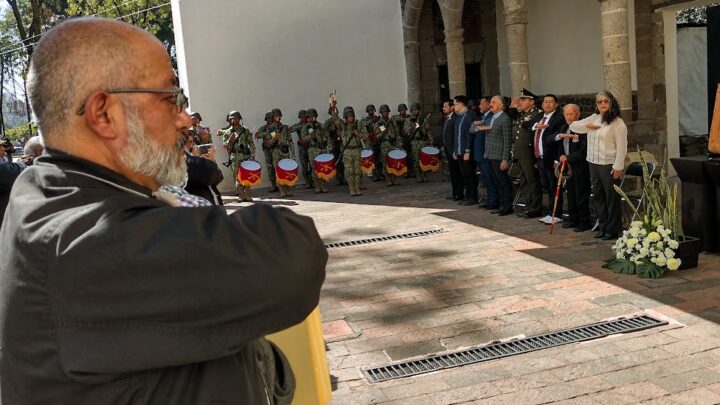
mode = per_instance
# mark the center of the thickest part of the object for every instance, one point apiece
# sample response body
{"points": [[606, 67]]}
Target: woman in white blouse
{"points": [[606, 151]]}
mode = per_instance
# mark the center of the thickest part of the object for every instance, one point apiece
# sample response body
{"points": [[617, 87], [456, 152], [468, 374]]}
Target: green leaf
{"points": [[621, 266], [649, 270]]}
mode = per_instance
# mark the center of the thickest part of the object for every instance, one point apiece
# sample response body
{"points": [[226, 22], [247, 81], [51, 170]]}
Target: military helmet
{"points": [[415, 106], [276, 112], [196, 114], [311, 112], [268, 115], [348, 111], [302, 113], [384, 108], [370, 107], [402, 106], [234, 113]]}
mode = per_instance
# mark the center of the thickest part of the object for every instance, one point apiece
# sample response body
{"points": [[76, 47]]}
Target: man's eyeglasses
{"points": [[603, 101], [178, 96]]}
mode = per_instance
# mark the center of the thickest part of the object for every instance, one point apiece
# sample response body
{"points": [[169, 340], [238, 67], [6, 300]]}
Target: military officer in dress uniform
{"points": [[390, 138], [315, 138], [280, 142], [261, 134], [419, 131], [302, 148], [238, 142], [523, 109]]}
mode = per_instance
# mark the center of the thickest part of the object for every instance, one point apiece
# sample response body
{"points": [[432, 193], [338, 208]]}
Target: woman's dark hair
{"points": [[614, 110]]}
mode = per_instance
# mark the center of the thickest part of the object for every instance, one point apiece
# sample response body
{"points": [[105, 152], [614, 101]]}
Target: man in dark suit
{"points": [[448, 137], [463, 149], [483, 165], [498, 139], [546, 142], [573, 150]]}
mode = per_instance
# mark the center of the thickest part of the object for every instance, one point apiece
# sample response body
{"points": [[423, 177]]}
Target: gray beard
{"points": [[145, 156]]}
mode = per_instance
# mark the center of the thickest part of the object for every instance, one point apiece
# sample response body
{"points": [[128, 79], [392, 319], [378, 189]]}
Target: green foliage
{"points": [[621, 266], [649, 270], [660, 201], [21, 133]]}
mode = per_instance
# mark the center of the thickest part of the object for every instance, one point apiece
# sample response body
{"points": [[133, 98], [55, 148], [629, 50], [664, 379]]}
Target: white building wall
{"points": [[564, 46], [252, 56]]}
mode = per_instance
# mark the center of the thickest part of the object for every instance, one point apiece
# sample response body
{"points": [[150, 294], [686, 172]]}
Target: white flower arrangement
{"points": [[646, 249]]}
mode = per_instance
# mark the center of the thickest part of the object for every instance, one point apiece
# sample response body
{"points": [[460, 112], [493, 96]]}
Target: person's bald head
{"points": [[80, 56], [571, 112]]}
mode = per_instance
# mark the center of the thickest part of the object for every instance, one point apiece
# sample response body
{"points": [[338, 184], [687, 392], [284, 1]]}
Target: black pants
{"points": [[578, 194], [606, 199], [549, 185], [469, 178], [455, 177], [504, 184]]}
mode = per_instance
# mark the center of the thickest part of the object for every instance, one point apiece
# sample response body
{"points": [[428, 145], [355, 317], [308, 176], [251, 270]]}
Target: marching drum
{"points": [[324, 165], [429, 159], [249, 173], [396, 162], [286, 172], [367, 161]]}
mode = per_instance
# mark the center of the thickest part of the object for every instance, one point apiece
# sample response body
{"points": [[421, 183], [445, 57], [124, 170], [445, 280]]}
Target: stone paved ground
{"points": [[488, 278]]}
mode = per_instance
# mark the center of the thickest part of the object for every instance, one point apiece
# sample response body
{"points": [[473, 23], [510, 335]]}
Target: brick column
{"points": [[515, 14], [412, 69], [616, 53]]}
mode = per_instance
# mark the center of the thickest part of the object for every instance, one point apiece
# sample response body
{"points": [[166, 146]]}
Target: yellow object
{"points": [[304, 346]]}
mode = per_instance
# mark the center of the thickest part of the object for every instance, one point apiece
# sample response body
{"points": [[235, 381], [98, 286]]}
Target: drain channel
{"points": [[383, 239], [510, 348]]}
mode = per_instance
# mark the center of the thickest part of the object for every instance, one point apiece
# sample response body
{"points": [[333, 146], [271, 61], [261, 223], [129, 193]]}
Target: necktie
{"points": [[537, 138]]}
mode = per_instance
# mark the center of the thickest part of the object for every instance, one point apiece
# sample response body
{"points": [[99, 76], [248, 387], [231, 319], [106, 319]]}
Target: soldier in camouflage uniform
{"points": [[524, 110], [390, 139], [238, 142], [368, 122], [399, 119], [196, 129], [262, 134], [314, 136], [280, 142], [352, 139], [420, 133], [302, 148], [336, 144]]}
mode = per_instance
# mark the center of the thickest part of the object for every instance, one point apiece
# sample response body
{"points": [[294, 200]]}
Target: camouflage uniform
{"points": [[240, 146], [420, 134], [314, 136], [281, 144], [304, 162], [336, 145], [263, 134], [352, 140], [405, 139], [368, 122], [390, 139]]}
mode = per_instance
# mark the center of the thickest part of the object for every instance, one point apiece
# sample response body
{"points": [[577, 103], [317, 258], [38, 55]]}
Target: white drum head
{"points": [[397, 154], [366, 153], [431, 150], [324, 157], [250, 165], [287, 164]]}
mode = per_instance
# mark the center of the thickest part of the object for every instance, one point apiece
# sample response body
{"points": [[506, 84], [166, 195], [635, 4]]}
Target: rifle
{"points": [[342, 151], [427, 117]]}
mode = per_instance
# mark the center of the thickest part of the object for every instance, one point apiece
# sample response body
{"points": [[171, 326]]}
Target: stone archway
{"points": [[411, 22]]}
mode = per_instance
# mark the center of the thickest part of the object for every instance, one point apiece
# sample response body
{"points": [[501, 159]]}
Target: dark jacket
{"points": [[479, 142], [551, 146], [463, 123], [8, 173], [203, 178], [449, 135], [109, 296], [577, 156]]}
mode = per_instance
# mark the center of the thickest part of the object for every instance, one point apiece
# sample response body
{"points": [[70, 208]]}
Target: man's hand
{"points": [[483, 127], [616, 173], [541, 126], [466, 156], [566, 136], [195, 150], [477, 123], [210, 155], [514, 102], [504, 165], [455, 156], [563, 158]]}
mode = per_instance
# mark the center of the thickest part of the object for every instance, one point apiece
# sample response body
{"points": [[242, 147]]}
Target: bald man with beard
{"points": [[100, 301]]}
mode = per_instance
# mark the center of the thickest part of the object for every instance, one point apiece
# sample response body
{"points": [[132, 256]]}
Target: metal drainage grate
{"points": [[383, 239], [510, 348]]}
